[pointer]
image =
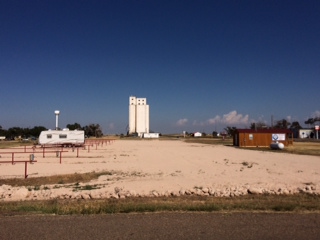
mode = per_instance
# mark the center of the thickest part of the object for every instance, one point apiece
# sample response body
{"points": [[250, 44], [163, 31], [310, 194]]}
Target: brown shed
{"points": [[262, 137]]}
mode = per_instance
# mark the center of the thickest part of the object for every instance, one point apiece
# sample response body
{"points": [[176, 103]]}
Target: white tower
{"points": [[57, 112], [138, 115]]}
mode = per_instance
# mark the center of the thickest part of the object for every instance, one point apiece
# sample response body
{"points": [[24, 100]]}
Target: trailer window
{"points": [[62, 135], [49, 135]]}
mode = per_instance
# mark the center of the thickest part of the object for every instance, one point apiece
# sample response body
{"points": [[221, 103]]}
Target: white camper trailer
{"points": [[62, 137]]}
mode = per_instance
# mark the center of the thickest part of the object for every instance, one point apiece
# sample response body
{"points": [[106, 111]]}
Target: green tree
{"points": [[295, 125], [15, 132], [282, 124], [36, 130], [75, 126], [93, 130], [258, 125], [230, 130], [311, 121], [2, 131]]}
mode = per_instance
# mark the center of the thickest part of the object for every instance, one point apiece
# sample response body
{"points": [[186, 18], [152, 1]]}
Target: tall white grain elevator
{"points": [[138, 115]]}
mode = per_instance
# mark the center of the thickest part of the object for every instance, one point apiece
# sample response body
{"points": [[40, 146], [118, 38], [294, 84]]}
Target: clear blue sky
{"points": [[202, 65]]}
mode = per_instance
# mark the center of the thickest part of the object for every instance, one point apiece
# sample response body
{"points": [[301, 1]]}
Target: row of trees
{"points": [[280, 124], [15, 132], [91, 130]]}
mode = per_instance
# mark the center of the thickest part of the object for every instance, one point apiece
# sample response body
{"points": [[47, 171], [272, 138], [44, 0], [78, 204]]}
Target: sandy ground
{"points": [[159, 165]]}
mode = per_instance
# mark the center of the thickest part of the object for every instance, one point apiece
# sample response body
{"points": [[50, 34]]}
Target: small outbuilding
{"points": [[262, 137], [306, 133], [150, 135], [197, 134]]}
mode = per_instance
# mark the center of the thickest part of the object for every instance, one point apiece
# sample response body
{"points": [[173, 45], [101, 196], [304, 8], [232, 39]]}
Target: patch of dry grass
{"points": [[306, 148], [210, 140], [11, 144], [56, 179], [262, 203]]}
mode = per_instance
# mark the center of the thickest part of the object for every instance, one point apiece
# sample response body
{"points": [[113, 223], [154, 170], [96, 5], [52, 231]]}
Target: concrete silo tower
{"points": [[138, 115]]}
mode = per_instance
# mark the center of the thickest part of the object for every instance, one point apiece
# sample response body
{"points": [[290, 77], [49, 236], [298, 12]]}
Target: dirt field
{"points": [[166, 167]]}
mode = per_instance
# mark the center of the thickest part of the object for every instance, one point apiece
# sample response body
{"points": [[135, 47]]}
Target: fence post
{"points": [[25, 169]]}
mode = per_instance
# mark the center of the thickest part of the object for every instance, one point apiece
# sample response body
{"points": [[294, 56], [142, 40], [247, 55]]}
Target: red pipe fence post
{"points": [[25, 169]]}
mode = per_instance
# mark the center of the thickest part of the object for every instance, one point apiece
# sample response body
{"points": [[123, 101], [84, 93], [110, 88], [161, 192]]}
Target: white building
{"points": [[197, 134], [305, 133], [138, 115], [150, 135]]}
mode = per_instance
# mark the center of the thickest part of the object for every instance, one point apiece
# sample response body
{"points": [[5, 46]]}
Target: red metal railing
{"points": [[25, 165], [58, 149]]}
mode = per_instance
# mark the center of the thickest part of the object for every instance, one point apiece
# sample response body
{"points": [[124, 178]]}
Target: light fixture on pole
{"points": [[57, 112]]}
